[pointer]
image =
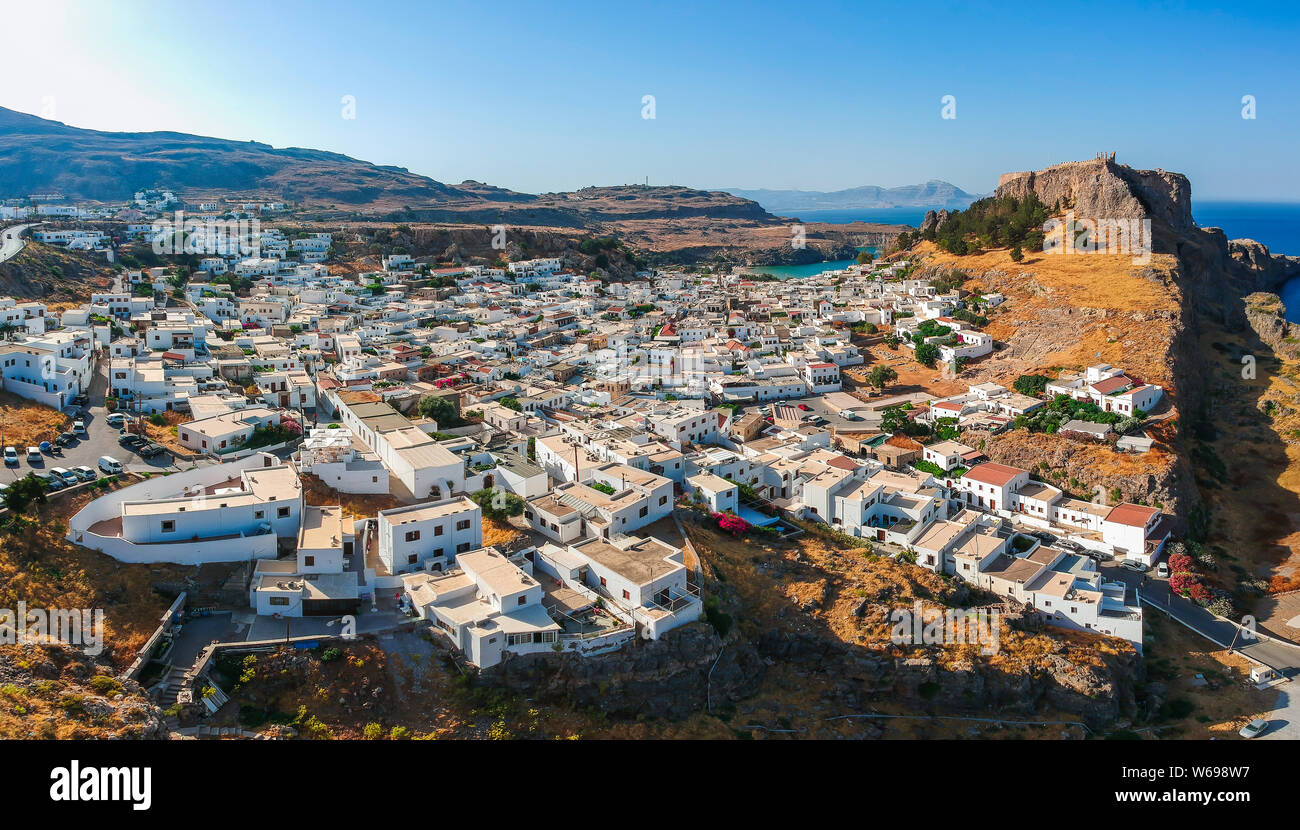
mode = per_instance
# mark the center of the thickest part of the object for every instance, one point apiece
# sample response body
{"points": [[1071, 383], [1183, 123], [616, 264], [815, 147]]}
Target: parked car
{"points": [[85, 473], [1134, 565], [1099, 555], [79, 427], [1162, 570], [65, 439], [1073, 547], [1254, 729], [131, 441], [115, 419], [33, 455], [110, 465], [80, 400], [1043, 536], [67, 475], [805, 407], [151, 450], [11, 457], [52, 481], [46, 446]]}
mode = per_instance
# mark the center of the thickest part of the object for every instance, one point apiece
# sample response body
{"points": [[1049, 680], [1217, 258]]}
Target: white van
{"points": [[110, 465]]}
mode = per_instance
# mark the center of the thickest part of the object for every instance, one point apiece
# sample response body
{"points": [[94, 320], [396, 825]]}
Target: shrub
{"points": [[720, 621], [1222, 607], [497, 503], [730, 523]]}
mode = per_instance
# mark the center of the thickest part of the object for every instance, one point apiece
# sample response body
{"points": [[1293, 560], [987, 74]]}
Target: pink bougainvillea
{"points": [[1180, 563], [731, 523], [1184, 583]]}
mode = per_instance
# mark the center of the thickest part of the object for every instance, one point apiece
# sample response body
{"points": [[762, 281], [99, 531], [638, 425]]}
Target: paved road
{"points": [[12, 240], [1284, 720], [1279, 654]]}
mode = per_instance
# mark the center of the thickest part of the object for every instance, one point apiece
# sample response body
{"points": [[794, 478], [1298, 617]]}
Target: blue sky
{"points": [[813, 95]]}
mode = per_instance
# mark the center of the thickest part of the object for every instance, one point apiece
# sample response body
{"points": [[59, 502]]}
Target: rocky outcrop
{"points": [[933, 221], [1104, 189], [1259, 269], [1098, 693], [66, 694], [672, 677], [1266, 316]]}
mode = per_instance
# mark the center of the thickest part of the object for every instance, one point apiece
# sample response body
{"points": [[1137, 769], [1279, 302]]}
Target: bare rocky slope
{"points": [[1198, 279]]}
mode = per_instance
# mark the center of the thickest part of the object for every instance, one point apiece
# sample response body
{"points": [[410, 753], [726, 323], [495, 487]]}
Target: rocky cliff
{"points": [[1104, 189]]}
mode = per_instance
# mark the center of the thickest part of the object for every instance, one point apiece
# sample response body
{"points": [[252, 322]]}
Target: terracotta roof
{"points": [[1131, 515], [1105, 387], [996, 474]]}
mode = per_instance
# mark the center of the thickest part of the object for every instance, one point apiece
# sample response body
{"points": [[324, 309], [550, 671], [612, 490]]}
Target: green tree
{"points": [[439, 409], [1032, 385], [864, 257], [1017, 254], [20, 495], [497, 503], [927, 354], [881, 376]]}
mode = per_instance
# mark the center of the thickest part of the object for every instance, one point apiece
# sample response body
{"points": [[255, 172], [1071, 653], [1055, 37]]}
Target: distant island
{"points": [[932, 194]]}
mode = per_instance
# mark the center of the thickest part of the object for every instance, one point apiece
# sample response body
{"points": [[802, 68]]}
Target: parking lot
{"points": [[100, 440], [818, 407]]}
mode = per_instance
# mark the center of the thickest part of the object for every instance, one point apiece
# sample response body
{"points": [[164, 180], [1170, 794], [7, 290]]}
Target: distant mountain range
{"points": [[42, 156], [933, 194]]}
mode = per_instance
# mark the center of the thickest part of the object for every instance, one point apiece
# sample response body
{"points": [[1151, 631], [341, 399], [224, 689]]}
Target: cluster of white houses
{"points": [[596, 403]]}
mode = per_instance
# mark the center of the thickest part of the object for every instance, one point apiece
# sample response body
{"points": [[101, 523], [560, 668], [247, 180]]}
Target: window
{"points": [[602, 582], [644, 511], [662, 500], [463, 524], [412, 535], [282, 513], [410, 560], [259, 514], [522, 600], [168, 526], [308, 561], [626, 595], [437, 531], [462, 547], [279, 601]]}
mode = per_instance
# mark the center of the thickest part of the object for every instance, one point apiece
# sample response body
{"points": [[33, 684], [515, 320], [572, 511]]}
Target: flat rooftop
{"points": [[641, 562]]}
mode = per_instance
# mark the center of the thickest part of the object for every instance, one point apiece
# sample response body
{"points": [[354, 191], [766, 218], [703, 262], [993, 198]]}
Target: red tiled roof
{"points": [[1105, 387], [996, 474], [1130, 515]]}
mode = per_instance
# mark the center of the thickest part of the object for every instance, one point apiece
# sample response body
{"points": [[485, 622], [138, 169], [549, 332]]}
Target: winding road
{"points": [[12, 241]]}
